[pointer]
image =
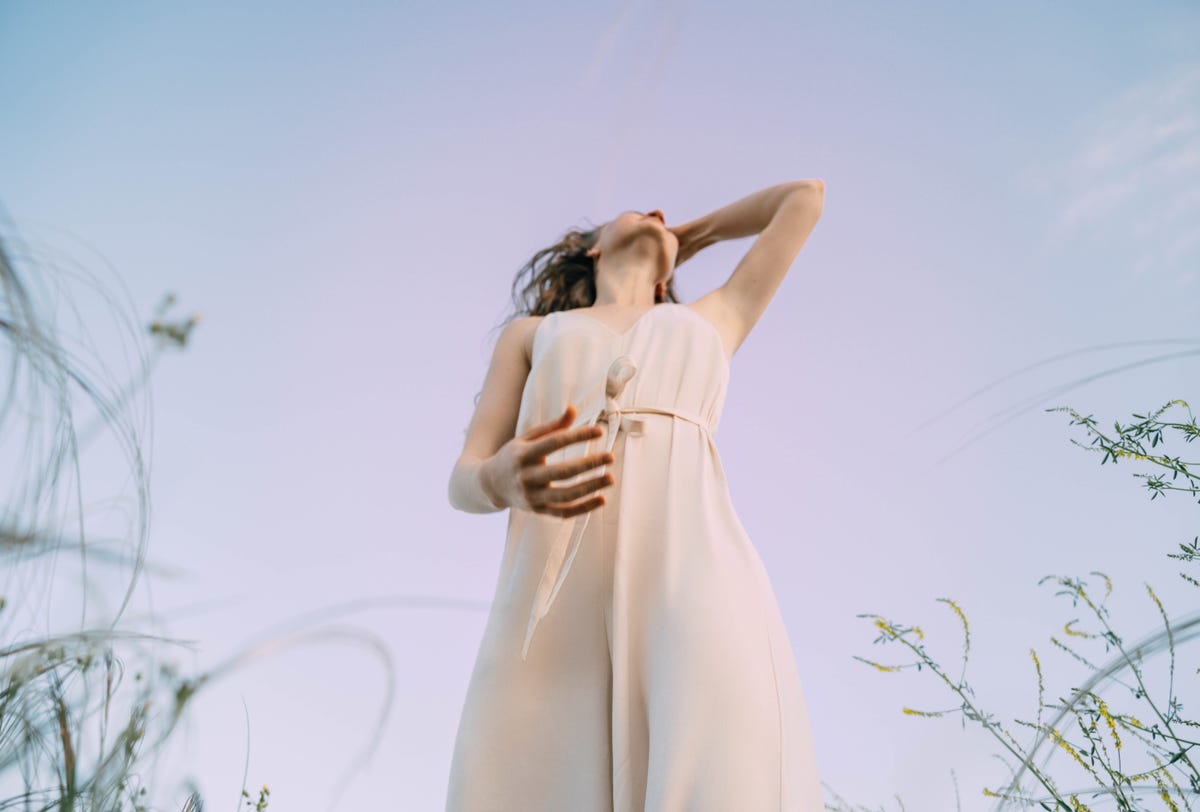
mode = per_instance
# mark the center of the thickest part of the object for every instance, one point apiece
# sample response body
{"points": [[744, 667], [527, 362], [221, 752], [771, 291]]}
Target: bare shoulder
{"points": [[520, 331], [715, 307]]}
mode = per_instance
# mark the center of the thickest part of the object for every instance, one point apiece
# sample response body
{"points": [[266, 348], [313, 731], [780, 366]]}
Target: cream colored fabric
{"points": [[658, 675]]}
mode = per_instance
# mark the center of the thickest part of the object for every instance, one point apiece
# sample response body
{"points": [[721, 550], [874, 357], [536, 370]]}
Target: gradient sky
{"points": [[345, 192]]}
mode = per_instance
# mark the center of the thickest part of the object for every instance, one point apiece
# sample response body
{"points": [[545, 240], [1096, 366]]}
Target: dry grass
{"points": [[1129, 752]]}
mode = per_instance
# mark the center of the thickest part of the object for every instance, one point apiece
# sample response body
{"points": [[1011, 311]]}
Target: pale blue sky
{"points": [[345, 192]]}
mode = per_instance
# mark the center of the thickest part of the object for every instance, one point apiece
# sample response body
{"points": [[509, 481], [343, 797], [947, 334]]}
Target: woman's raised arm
{"points": [[783, 216]]}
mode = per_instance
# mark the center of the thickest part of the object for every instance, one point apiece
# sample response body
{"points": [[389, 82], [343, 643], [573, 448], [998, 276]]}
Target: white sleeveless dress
{"points": [[634, 657]]}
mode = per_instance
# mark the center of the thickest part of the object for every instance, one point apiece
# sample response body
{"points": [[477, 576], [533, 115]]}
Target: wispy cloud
{"points": [[1137, 172], [642, 82]]}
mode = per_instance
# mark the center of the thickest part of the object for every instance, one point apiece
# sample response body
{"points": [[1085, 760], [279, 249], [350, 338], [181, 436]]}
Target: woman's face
{"points": [[639, 231]]}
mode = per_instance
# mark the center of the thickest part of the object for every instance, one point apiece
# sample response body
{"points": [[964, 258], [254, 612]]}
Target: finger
{"points": [[572, 510], [564, 419], [544, 474], [569, 493], [540, 448]]}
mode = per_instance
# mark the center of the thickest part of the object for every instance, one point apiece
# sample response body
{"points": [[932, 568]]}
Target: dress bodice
{"points": [[678, 356]]}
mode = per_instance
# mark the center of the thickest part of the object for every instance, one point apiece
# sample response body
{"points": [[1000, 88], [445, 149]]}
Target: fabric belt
{"points": [[566, 543]]}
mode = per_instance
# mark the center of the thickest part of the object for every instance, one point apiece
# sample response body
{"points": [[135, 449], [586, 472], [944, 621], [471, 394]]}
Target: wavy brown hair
{"points": [[563, 277]]}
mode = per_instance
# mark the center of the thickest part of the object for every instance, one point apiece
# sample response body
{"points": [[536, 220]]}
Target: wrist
{"points": [[693, 236], [486, 485]]}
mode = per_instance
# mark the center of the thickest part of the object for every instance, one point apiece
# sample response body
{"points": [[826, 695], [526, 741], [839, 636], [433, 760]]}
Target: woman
{"points": [[660, 676]]}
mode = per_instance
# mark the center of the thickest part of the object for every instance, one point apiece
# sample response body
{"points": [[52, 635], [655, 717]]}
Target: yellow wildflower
{"points": [[1112, 726], [1061, 742], [1067, 628]]}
